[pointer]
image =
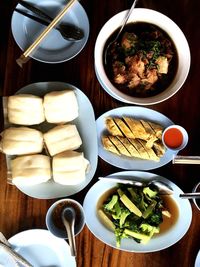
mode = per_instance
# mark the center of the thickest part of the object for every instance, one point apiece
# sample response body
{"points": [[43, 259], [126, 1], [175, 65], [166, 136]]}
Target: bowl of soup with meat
{"points": [[148, 63]]}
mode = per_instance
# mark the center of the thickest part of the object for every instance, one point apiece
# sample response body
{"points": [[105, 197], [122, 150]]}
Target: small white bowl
{"points": [[172, 132], [54, 220], [167, 25]]}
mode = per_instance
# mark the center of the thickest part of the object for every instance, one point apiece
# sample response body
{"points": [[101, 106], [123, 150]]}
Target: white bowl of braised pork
{"points": [[148, 63]]}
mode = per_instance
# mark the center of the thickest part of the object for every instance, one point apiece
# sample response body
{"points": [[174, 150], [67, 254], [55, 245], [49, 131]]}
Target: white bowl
{"points": [[163, 22]]}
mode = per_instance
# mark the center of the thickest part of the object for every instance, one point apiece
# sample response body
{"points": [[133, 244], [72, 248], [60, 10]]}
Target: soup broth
{"points": [[172, 207]]}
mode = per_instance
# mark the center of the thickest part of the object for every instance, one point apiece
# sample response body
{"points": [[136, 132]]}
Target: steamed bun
{"points": [[30, 169], [25, 109], [61, 138], [21, 141], [69, 168], [60, 106]]}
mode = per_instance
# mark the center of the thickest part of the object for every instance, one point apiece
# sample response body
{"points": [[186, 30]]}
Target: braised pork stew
{"points": [[143, 62]]}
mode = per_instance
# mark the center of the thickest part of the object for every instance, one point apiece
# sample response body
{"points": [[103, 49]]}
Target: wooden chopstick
{"points": [[25, 56], [186, 160]]}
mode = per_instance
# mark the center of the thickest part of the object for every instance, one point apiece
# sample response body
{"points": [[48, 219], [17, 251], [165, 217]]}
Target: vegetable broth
{"points": [[164, 80], [172, 207]]}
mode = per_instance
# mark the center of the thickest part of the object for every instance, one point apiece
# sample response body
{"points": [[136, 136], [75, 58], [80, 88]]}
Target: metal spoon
{"points": [[68, 219], [120, 30], [190, 195], [162, 187]]}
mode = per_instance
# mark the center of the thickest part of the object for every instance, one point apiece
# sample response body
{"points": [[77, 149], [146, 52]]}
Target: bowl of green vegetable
{"points": [[136, 219], [148, 63]]}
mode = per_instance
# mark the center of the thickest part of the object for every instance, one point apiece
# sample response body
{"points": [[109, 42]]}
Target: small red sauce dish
{"points": [[175, 137]]}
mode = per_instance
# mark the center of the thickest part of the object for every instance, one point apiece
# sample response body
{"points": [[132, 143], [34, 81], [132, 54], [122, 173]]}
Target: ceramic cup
{"points": [[197, 200], [175, 137], [54, 217]]}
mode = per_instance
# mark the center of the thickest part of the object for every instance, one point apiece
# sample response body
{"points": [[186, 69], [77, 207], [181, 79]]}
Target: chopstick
{"points": [[25, 56], [186, 160]]}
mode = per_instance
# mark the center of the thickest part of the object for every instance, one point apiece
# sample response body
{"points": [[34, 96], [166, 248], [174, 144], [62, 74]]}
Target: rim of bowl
{"points": [[195, 190], [166, 24]]}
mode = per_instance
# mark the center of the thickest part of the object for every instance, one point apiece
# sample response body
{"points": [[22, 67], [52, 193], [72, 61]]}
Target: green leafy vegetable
{"points": [[133, 212], [111, 204], [149, 192]]}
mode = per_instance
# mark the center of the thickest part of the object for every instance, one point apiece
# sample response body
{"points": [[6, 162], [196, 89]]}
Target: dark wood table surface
{"points": [[20, 212]]}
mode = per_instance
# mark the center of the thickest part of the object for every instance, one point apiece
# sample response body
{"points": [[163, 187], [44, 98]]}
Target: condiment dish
{"points": [[175, 137], [54, 220]]}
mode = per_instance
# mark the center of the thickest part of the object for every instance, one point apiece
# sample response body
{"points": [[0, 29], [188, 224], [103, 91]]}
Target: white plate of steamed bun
{"points": [[49, 139]]}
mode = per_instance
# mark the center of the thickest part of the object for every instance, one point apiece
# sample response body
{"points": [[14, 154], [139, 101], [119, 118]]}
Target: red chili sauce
{"points": [[173, 138]]}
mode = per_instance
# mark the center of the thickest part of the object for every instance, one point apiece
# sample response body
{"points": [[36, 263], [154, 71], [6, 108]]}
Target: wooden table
{"points": [[19, 212]]}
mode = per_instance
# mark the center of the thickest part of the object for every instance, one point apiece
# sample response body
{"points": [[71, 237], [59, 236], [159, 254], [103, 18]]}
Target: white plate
{"points": [[162, 241], [86, 126], [54, 48], [197, 261], [6, 260], [41, 248], [126, 162]]}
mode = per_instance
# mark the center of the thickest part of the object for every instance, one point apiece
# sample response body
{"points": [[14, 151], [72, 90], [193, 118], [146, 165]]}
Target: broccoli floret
{"points": [[155, 219], [149, 229], [123, 217], [151, 193], [146, 227], [113, 201], [120, 234], [116, 211]]}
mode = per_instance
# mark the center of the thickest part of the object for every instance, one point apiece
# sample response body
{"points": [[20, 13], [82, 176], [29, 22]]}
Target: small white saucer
{"points": [[40, 248], [5, 259], [54, 48]]}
